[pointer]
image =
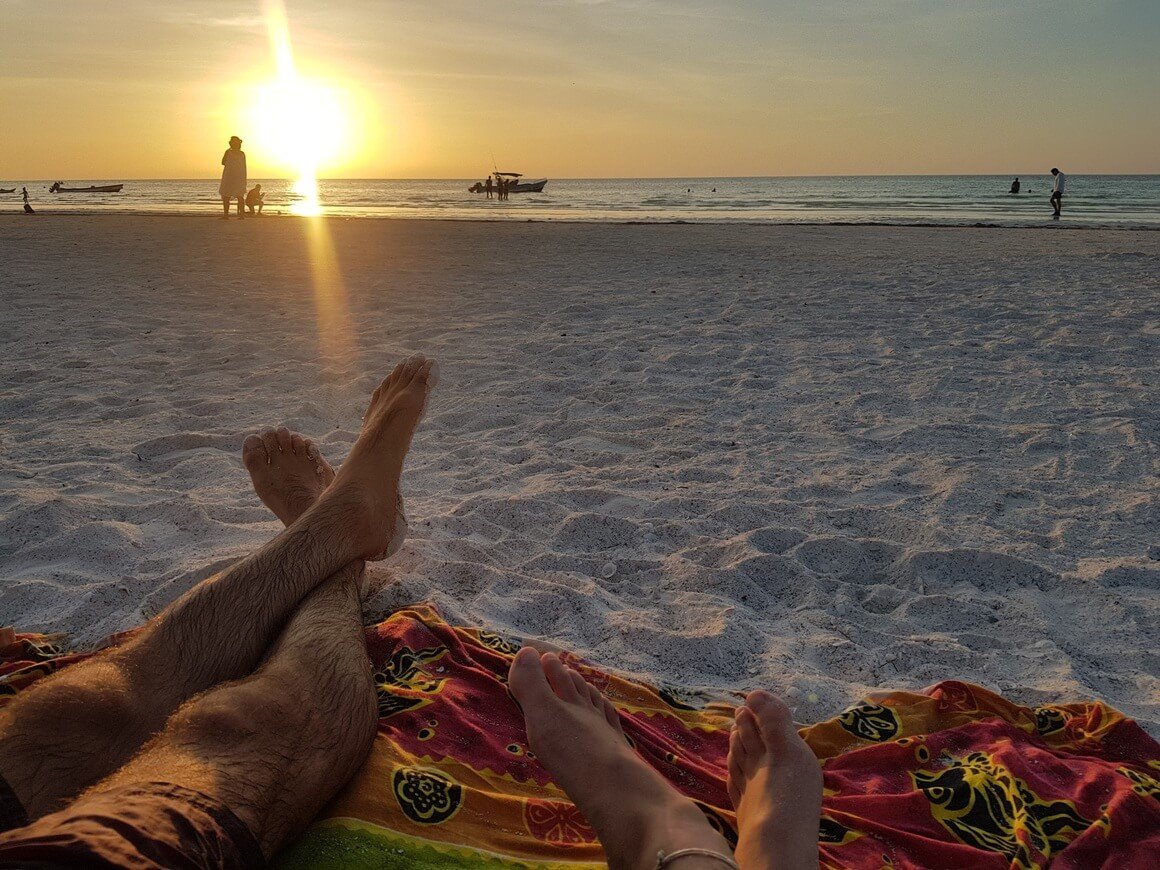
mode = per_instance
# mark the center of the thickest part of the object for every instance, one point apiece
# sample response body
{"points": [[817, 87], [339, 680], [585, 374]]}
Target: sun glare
{"points": [[302, 120], [299, 123]]}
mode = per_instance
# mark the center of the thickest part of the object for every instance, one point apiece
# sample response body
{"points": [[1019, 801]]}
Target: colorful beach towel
{"points": [[952, 777]]}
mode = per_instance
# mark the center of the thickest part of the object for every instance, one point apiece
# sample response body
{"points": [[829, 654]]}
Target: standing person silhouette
{"points": [[233, 184], [27, 205], [487, 187], [1057, 191], [1015, 186]]}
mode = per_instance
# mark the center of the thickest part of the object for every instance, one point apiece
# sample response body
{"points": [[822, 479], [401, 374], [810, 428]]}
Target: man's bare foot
{"points": [[775, 783], [575, 732], [288, 472], [362, 504]]}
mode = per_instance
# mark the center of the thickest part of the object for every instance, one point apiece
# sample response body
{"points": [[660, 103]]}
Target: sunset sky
{"points": [[588, 88]]}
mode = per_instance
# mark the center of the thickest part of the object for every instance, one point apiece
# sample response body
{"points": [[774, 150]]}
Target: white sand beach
{"points": [[816, 459]]}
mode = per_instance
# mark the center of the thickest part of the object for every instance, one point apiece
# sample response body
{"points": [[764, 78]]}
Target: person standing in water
{"points": [[1015, 186], [233, 184], [1057, 191], [27, 205]]}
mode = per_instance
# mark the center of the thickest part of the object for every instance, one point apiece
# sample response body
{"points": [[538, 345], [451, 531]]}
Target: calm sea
{"points": [[1091, 200]]}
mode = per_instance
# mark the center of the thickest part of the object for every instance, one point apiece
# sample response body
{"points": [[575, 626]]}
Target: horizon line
{"points": [[210, 178]]}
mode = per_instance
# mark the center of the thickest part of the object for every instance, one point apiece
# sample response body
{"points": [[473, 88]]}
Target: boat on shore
{"points": [[514, 185], [92, 188]]}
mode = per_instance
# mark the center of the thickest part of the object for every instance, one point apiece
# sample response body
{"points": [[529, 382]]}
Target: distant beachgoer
{"points": [[502, 187], [233, 184], [255, 199], [487, 187], [1057, 191], [1015, 186], [27, 207]]}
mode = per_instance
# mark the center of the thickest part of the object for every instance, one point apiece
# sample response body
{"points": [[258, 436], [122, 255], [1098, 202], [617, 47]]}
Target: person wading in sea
{"points": [[1057, 190]]}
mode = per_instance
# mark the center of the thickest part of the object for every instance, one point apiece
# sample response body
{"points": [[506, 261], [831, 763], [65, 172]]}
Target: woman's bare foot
{"points": [[288, 472], [361, 506], [575, 732], [775, 783]]}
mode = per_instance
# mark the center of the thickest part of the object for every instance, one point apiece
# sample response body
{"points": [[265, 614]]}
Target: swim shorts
{"points": [[12, 814], [155, 826]]}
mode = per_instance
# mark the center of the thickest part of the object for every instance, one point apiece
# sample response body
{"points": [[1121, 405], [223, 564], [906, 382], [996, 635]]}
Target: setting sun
{"points": [[299, 123]]}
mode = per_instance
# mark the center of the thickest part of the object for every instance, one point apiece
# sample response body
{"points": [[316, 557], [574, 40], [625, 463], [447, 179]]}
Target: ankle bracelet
{"points": [[664, 860]]}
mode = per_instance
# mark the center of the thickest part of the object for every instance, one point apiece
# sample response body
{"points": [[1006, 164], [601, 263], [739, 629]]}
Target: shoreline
{"points": [[1048, 224]]}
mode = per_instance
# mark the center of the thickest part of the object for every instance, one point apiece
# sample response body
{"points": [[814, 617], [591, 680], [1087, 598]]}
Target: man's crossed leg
{"points": [[177, 726]]}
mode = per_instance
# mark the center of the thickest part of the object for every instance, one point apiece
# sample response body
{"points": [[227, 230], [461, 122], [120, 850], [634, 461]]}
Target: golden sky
{"points": [[588, 88]]}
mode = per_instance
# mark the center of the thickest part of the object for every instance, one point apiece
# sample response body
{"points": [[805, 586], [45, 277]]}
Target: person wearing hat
{"points": [[233, 184]]}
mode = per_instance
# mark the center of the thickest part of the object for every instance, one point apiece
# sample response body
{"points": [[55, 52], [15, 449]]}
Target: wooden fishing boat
{"points": [[514, 185], [7, 190], [92, 188]]}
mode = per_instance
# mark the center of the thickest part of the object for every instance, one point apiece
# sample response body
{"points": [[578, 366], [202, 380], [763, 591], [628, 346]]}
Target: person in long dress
{"points": [[233, 184]]}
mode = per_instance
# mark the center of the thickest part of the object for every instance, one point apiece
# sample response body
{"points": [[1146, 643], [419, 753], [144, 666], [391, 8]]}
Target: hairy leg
{"points": [[275, 746], [575, 732], [72, 729], [775, 784]]}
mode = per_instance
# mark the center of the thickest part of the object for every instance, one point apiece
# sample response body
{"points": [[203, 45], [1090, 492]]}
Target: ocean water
{"points": [[1091, 200]]}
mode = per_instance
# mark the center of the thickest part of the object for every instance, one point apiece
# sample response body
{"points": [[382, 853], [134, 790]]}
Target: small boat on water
{"points": [[7, 190], [514, 186], [92, 188]]}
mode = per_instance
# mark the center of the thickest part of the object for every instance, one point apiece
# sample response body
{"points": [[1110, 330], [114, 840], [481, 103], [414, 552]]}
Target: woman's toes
{"points": [[612, 716], [297, 445], [560, 677], [741, 767], [747, 732], [526, 679], [283, 436], [578, 683]]}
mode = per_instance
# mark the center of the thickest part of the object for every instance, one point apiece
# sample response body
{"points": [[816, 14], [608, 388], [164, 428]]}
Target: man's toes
{"points": [[297, 444], [253, 451], [270, 439], [428, 373], [748, 733], [559, 676], [526, 679], [283, 436], [595, 697], [414, 365]]}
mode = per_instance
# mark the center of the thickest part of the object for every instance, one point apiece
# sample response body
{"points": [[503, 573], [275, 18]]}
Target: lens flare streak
{"points": [[295, 105]]}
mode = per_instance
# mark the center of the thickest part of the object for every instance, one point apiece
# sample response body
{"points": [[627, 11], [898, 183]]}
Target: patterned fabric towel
{"points": [[954, 776]]}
